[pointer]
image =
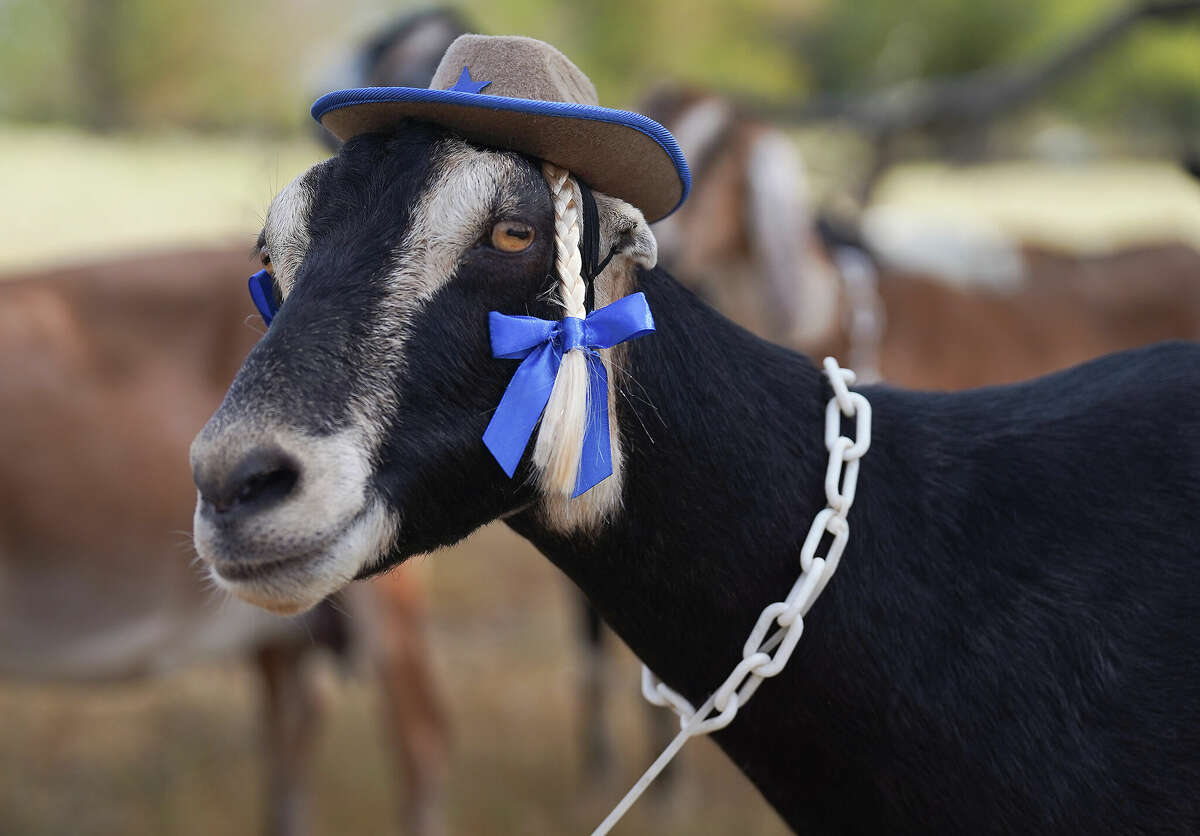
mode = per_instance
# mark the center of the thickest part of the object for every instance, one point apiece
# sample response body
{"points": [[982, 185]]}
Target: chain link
{"points": [[786, 616]]}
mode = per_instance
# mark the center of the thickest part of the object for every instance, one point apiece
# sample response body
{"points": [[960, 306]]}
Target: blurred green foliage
{"points": [[226, 64], [868, 44], [1148, 83]]}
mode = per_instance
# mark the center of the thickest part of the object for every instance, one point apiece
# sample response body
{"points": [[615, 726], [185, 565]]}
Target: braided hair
{"points": [[560, 439]]}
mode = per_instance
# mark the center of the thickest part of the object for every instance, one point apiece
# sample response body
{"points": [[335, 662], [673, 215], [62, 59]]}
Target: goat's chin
{"points": [[271, 573], [284, 589], [266, 599]]}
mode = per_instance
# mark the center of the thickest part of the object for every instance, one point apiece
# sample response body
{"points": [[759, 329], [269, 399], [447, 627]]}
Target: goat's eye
{"points": [[266, 261], [512, 236]]}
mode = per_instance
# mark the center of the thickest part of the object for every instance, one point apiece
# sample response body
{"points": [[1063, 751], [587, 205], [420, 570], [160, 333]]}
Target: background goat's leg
{"points": [[662, 724], [293, 712], [412, 705], [593, 696]]}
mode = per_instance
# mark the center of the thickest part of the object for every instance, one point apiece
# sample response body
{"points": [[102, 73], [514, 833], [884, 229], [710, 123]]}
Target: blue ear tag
{"points": [[262, 291]]}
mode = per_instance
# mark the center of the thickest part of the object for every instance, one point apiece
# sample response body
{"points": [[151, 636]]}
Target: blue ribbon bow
{"points": [[541, 344], [262, 291]]}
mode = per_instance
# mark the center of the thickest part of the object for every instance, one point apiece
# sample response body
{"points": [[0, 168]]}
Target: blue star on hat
{"points": [[466, 85]]}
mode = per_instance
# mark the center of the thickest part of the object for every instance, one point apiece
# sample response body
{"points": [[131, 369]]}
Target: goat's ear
{"points": [[625, 233]]}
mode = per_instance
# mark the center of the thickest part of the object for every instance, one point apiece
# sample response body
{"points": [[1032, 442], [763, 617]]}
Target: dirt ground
{"points": [[179, 755]]}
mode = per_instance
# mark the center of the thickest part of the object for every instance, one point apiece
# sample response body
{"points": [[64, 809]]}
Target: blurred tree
{"points": [[1149, 84], [957, 111], [36, 77], [868, 44], [216, 64], [626, 46], [230, 64], [97, 47]]}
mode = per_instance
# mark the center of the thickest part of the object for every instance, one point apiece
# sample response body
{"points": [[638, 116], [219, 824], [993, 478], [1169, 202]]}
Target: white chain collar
{"points": [[841, 481]]}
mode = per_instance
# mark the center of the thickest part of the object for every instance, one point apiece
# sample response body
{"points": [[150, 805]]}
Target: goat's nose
{"points": [[261, 478]]}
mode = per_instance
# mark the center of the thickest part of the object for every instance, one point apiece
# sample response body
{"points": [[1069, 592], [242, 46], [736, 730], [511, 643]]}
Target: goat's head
{"points": [[351, 438]]}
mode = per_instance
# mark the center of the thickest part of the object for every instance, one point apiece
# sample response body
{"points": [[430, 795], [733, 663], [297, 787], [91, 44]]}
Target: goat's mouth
{"points": [[271, 585], [236, 571], [290, 574], [284, 587]]}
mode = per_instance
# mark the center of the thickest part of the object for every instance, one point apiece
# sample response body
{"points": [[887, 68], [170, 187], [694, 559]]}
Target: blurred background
{"points": [[987, 189], [201, 109]]}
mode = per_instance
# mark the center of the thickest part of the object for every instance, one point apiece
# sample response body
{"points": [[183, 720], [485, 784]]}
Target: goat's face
{"points": [[351, 438]]}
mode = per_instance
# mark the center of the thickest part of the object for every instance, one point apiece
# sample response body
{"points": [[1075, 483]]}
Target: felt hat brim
{"points": [[617, 152]]}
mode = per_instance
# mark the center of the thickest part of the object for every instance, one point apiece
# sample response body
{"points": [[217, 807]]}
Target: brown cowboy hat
{"points": [[524, 95]]}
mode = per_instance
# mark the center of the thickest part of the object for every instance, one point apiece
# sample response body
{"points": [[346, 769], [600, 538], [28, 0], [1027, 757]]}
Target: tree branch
{"points": [[952, 104]]}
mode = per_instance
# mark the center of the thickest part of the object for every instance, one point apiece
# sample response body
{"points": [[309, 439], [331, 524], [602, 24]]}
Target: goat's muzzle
{"points": [[284, 518]]}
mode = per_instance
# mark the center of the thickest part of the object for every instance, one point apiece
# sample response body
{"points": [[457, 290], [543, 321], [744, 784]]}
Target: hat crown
{"points": [[515, 67]]}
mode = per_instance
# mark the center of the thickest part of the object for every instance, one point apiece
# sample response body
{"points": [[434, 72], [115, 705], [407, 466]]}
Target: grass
{"points": [[70, 196]]}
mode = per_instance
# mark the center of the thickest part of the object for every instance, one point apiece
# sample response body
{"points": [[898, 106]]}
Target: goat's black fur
{"points": [[1009, 645]]}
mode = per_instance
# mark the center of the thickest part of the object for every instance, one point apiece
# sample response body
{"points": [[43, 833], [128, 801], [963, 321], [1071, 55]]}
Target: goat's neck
{"points": [[723, 473]]}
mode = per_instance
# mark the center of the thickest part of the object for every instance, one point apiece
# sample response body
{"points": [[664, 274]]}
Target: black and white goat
{"points": [[1010, 644]]}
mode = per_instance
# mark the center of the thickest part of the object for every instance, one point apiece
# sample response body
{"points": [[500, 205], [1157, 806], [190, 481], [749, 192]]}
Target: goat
{"points": [[106, 371], [1008, 647], [745, 240]]}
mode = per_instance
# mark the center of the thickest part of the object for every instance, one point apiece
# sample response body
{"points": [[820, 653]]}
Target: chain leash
{"points": [[786, 616]]}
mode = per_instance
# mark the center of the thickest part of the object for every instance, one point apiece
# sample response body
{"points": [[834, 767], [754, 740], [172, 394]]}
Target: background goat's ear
{"points": [[624, 227]]}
